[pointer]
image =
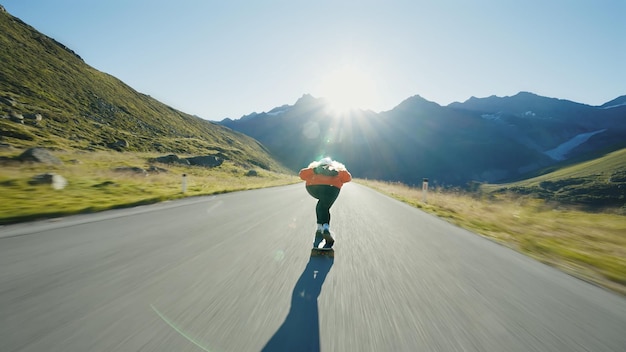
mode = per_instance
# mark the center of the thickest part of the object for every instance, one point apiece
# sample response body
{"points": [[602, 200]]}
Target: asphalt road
{"points": [[233, 273]]}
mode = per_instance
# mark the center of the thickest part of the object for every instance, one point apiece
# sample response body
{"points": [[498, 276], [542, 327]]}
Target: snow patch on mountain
{"points": [[562, 150], [493, 117]]}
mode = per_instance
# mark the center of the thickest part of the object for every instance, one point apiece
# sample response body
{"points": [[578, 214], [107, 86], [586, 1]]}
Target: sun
{"points": [[348, 88]]}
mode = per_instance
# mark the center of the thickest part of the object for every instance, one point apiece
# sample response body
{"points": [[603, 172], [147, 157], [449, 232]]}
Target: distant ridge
{"points": [[617, 102]]}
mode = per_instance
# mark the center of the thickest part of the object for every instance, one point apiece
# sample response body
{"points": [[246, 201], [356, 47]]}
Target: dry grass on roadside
{"points": [[591, 246]]}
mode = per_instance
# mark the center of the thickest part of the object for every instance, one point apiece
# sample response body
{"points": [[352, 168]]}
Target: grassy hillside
{"points": [[104, 180], [596, 183], [82, 108]]}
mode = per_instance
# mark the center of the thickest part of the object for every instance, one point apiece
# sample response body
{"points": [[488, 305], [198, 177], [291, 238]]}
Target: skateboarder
{"points": [[324, 179]]}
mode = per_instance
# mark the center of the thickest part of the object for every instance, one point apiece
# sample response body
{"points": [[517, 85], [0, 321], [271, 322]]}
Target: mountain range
{"points": [[491, 139]]}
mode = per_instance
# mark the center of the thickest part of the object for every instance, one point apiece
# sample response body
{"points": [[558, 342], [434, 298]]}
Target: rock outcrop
{"points": [[39, 155]]}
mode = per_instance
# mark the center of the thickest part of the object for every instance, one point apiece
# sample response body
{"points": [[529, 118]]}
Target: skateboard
{"points": [[319, 250], [326, 252]]}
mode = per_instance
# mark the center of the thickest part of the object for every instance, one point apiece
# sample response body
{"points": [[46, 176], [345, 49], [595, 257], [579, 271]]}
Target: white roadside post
{"points": [[424, 189], [184, 183]]}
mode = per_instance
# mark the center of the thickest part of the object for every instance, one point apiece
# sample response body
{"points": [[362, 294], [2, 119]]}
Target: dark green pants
{"points": [[326, 196]]}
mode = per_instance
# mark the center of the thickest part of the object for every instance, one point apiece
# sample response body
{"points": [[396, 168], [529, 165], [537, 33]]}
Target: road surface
{"points": [[233, 273]]}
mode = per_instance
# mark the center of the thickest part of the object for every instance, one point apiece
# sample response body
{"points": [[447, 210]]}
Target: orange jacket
{"points": [[312, 178]]}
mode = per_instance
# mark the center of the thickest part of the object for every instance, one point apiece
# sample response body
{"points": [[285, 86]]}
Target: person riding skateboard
{"points": [[324, 179]]}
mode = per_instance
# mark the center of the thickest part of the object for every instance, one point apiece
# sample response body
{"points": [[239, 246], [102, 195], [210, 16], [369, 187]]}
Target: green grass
{"points": [[93, 185], [588, 245]]}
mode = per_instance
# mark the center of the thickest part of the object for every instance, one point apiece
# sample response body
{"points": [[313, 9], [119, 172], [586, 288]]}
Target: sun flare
{"points": [[348, 88]]}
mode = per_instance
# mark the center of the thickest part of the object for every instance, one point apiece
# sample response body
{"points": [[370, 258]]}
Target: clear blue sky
{"points": [[218, 59]]}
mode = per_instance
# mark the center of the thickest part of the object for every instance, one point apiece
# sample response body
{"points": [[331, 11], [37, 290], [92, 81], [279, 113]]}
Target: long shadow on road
{"points": [[300, 331]]}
